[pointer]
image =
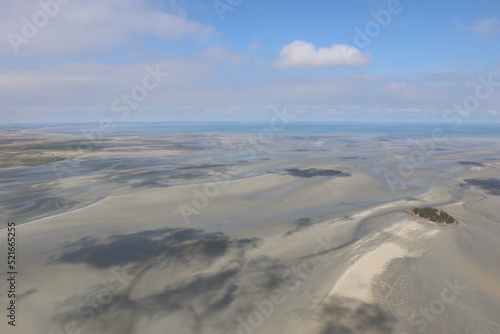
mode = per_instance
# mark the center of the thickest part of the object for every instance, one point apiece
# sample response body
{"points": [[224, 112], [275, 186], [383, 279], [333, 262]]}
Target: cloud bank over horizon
{"points": [[64, 60]]}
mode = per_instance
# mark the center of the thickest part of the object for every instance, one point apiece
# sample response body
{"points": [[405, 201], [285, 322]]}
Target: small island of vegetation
{"points": [[436, 216]]}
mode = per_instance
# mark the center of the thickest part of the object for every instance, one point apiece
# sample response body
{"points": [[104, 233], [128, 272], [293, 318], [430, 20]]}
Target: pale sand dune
{"points": [[355, 282]]}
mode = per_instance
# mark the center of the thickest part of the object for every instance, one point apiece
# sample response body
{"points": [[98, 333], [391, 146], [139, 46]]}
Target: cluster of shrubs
{"points": [[435, 215]]}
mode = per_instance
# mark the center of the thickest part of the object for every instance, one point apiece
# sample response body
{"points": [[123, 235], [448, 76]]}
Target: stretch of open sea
{"points": [[472, 130]]}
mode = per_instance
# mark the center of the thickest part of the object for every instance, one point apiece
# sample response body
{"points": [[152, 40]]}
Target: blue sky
{"points": [[87, 60]]}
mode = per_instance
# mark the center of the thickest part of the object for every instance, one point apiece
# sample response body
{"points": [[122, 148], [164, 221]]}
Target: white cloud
{"points": [[254, 45], [411, 91], [96, 85], [88, 26], [84, 92], [301, 54], [223, 53], [484, 26]]}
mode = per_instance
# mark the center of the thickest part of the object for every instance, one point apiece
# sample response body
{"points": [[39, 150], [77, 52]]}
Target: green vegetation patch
{"points": [[28, 161], [35, 151], [435, 215], [70, 145]]}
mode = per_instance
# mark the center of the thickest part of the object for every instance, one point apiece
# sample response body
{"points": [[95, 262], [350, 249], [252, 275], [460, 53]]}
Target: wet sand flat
{"points": [[193, 234]]}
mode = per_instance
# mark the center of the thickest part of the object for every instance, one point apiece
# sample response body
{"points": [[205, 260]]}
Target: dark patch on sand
{"points": [[203, 166], [471, 163], [348, 316], [491, 186], [212, 299], [313, 172], [300, 224], [136, 248], [215, 292]]}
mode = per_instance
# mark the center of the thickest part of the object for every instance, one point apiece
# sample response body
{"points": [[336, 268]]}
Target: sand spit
{"points": [[356, 282]]}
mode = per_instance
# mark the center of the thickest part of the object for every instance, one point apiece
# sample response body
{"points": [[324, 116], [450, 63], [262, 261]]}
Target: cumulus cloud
{"points": [[301, 54], [484, 26], [32, 29]]}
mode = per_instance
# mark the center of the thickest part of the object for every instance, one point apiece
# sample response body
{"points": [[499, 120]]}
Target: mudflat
{"points": [[189, 233]]}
